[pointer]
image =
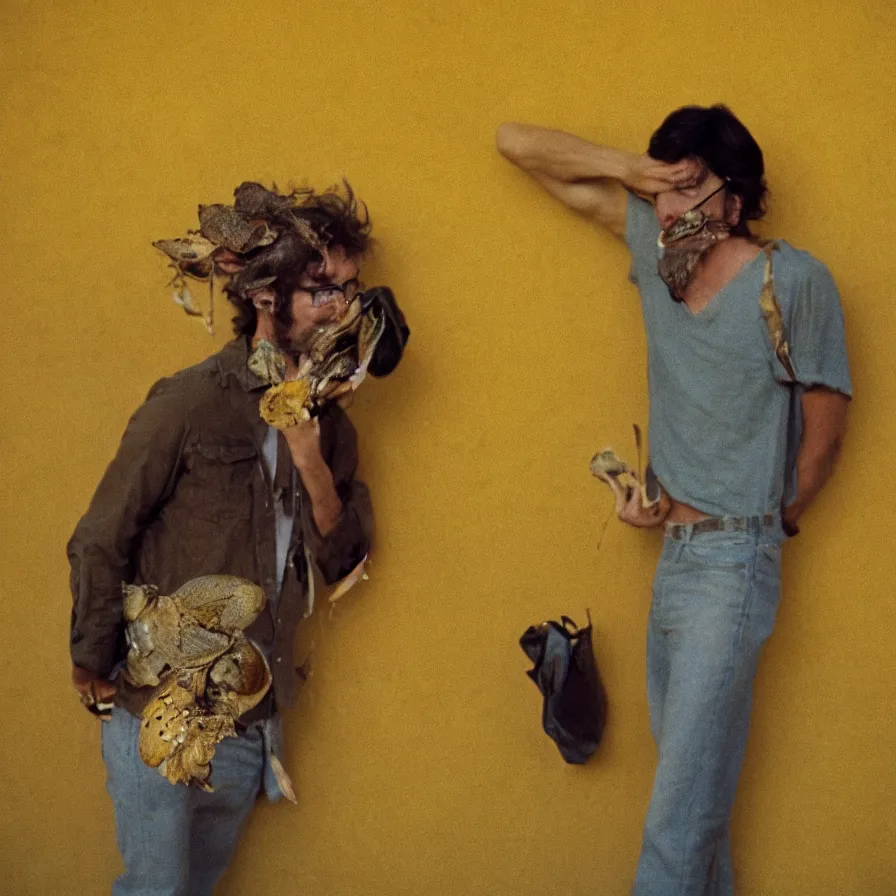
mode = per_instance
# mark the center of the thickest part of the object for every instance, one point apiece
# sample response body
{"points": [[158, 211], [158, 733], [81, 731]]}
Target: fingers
{"points": [[96, 693], [686, 173], [98, 701], [635, 513], [619, 492], [631, 512]]}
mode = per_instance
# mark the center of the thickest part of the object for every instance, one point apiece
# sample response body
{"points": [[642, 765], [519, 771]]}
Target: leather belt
{"points": [[756, 524]]}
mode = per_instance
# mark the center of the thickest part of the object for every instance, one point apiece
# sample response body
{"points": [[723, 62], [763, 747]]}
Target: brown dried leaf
{"points": [[190, 761], [224, 226], [267, 363], [238, 680], [283, 780], [352, 579], [183, 297], [309, 237], [164, 721], [286, 404], [226, 603], [193, 248], [771, 314], [252, 200]]}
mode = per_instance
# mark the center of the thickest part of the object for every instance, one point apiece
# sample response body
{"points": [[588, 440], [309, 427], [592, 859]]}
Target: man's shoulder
{"points": [[201, 378], [799, 265]]}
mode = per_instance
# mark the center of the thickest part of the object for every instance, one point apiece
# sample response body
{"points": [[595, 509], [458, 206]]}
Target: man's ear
{"points": [[734, 205]]}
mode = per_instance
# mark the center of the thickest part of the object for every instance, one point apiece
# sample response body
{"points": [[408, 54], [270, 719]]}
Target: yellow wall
{"points": [[416, 748]]}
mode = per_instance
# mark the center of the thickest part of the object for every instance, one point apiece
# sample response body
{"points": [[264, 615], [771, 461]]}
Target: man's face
{"points": [[313, 305], [672, 204]]}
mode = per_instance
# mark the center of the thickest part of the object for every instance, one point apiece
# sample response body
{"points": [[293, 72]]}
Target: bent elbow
{"points": [[510, 142]]}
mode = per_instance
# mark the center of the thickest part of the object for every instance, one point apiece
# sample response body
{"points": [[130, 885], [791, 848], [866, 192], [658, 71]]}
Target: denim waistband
{"points": [[768, 522]]}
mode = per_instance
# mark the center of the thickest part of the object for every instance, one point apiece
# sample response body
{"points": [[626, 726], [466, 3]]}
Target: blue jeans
{"points": [[175, 840], [715, 597]]}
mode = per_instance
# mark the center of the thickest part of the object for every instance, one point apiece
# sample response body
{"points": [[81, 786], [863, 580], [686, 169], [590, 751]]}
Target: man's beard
{"points": [[684, 243], [294, 347], [322, 339]]}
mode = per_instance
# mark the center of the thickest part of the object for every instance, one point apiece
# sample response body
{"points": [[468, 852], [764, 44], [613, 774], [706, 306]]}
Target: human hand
{"points": [[647, 175], [303, 439], [96, 691], [632, 508], [789, 517]]}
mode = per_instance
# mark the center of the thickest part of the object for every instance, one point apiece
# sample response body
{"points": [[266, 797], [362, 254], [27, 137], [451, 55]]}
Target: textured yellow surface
{"points": [[416, 748]]}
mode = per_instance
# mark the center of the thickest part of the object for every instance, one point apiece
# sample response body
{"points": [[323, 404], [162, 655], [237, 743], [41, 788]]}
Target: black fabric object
{"points": [[395, 336], [575, 703]]}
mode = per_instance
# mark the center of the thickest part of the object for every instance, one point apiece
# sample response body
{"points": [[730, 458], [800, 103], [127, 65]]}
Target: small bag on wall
{"points": [[575, 703]]}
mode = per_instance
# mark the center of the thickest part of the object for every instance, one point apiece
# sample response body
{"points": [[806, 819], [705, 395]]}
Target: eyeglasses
{"points": [[706, 199], [320, 295]]}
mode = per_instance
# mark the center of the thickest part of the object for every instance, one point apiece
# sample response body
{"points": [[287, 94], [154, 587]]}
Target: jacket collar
{"points": [[233, 360]]}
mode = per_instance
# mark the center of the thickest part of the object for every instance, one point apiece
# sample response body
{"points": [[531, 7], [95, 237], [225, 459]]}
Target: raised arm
{"points": [[588, 178], [337, 517]]}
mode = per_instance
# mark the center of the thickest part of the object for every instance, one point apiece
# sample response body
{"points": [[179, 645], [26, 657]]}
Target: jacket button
{"points": [[269, 581]]}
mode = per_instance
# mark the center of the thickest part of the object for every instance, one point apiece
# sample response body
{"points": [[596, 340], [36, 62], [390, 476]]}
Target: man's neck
{"points": [[717, 269]]}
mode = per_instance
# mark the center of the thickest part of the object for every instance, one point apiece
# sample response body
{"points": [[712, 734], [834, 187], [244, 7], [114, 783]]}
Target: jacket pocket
{"points": [[218, 483]]}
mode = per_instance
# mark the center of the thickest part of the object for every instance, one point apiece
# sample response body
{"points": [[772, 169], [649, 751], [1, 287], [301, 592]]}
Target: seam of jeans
{"points": [[724, 688]]}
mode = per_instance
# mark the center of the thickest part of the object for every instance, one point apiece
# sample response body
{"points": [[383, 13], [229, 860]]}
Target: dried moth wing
{"points": [[189, 249], [224, 226], [183, 297], [198, 646], [372, 328], [309, 237], [774, 321], [238, 680], [164, 722], [286, 404], [283, 780], [190, 761], [267, 363], [223, 602], [355, 576], [606, 465]]}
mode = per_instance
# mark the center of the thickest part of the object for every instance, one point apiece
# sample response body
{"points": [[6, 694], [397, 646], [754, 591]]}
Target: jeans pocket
{"points": [[731, 552]]}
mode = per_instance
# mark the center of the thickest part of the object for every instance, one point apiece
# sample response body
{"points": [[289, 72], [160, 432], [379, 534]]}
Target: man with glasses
{"points": [[202, 485], [749, 386]]}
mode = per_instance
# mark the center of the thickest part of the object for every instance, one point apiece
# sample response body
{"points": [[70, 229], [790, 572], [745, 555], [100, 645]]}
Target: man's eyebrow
{"points": [[327, 284]]}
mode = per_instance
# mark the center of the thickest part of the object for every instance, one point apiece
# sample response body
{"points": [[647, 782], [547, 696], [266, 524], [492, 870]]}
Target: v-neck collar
{"points": [[716, 299]]}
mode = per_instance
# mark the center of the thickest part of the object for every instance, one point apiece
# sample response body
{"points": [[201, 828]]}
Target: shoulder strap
{"points": [[771, 313]]}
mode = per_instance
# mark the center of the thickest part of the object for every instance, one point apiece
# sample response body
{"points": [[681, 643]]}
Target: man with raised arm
{"points": [[748, 387]]}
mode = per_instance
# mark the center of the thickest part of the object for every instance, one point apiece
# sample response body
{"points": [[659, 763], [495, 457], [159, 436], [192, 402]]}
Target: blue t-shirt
{"points": [[724, 416]]}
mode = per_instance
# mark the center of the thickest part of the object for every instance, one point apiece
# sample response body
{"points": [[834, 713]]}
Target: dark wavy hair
{"points": [[715, 135], [334, 217]]}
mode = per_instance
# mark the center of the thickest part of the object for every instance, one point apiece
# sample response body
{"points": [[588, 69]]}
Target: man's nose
{"points": [[666, 213]]}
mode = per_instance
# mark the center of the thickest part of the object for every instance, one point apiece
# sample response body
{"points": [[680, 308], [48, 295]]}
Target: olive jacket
{"points": [[188, 494]]}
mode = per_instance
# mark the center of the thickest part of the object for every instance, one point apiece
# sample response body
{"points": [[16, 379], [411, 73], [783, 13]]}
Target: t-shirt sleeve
{"points": [[641, 233], [816, 333]]}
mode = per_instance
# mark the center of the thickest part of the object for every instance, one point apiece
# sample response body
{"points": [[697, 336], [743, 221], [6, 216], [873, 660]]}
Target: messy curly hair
{"points": [[306, 222], [717, 136]]}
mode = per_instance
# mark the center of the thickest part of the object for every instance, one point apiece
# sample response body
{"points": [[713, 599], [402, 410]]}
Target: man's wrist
{"points": [[628, 169], [788, 522]]}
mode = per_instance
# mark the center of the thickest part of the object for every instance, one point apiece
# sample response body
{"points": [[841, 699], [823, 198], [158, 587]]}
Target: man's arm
{"points": [[100, 549], [339, 522], [317, 478], [824, 426], [592, 180]]}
